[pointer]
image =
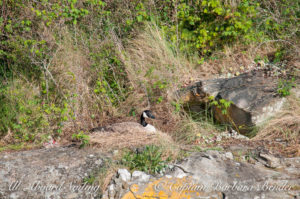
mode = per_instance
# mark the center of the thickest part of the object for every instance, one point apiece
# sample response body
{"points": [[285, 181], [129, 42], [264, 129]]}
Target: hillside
{"points": [[69, 66]]}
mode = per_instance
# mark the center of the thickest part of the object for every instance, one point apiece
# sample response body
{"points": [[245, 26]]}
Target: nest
{"points": [[108, 141]]}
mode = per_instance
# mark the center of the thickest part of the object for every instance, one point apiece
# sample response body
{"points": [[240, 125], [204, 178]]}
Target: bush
{"points": [[207, 25], [21, 114]]}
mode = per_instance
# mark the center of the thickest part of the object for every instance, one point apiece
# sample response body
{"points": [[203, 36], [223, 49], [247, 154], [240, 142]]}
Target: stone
{"points": [[98, 162], [56, 173], [229, 155], [124, 175], [111, 191], [270, 160], [140, 176], [254, 96], [211, 174]]}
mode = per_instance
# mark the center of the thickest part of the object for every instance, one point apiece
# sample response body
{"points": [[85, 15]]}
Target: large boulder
{"points": [[254, 96], [213, 174], [56, 173]]}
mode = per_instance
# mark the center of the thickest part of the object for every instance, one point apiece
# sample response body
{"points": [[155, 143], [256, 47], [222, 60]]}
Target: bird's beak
{"points": [[152, 116]]}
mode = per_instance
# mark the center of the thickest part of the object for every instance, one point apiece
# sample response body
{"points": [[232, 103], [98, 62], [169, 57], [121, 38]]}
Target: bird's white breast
{"points": [[149, 128]]}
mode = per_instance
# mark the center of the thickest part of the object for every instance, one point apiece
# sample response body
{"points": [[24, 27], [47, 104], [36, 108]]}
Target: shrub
{"points": [[21, 113], [207, 25]]}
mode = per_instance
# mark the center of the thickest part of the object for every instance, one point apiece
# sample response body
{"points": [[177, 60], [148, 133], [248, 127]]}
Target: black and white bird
{"points": [[148, 127], [124, 127]]}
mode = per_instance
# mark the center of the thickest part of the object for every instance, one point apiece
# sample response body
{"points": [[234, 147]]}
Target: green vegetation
{"points": [[83, 138], [67, 65], [90, 179], [149, 160], [198, 148], [222, 104], [284, 87]]}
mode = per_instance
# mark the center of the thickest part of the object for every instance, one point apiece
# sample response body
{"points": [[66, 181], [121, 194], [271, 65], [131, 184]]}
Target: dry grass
{"points": [[154, 71], [75, 78], [190, 131], [70, 67], [235, 59], [108, 141], [285, 126], [151, 59], [106, 174]]}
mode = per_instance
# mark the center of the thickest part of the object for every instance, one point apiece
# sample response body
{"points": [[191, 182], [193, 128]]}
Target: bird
{"points": [[125, 127], [130, 135]]}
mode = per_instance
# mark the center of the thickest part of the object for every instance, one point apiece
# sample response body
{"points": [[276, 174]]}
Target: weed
{"points": [[284, 87], [177, 106], [149, 160], [90, 179], [83, 138], [222, 104]]}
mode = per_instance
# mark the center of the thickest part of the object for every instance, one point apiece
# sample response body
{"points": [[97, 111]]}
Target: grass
{"points": [[16, 147], [200, 149], [195, 127], [285, 126], [150, 160], [104, 175]]}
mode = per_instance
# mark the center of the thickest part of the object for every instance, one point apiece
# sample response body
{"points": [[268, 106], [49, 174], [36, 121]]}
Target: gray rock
{"points": [[49, 173], [219, 176], [270, 160], [211, 169], [111, 191], [229, 155], [140, 176], [124, 175], [254, 96]]}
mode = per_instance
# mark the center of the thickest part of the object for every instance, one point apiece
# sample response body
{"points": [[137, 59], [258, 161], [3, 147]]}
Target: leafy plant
{"points": [[206, 25], [176, 105], [284, 87], [148, 160], [83, 138], [90, 179], [222, 104]]}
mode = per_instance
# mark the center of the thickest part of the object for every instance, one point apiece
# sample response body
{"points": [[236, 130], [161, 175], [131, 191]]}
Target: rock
{"points": [[55, 173], [124, 175], [219, 138], [214, 174], [254, 96], [229, 155], [140, 176], [111, 191], [270, 160], [227, 134]]}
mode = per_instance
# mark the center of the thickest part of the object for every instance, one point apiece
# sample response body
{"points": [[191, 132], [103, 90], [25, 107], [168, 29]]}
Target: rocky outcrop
{"points": [[67, 172], [56, 173], [212, 175], [254, 96]]}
